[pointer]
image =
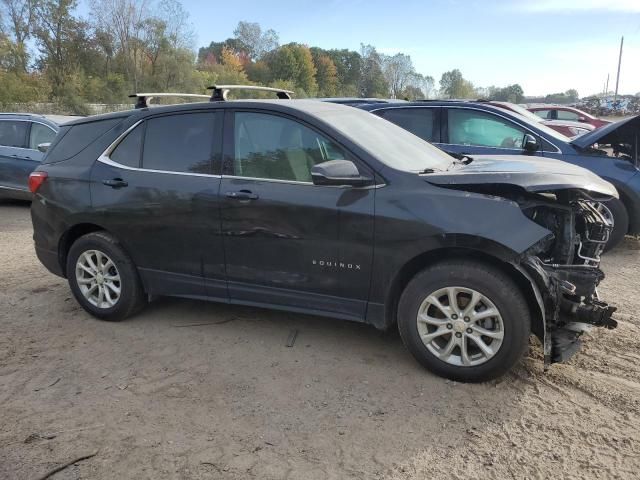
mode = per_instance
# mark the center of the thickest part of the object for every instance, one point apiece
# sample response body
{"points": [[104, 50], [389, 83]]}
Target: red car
{"points": [[561, 112], [566, 127]]}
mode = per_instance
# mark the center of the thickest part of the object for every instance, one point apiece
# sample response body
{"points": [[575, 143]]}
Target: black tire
{"points": [[131, 298], [620, 223], [488, 281]]}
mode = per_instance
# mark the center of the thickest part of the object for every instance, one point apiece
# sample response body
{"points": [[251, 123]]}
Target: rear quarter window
{"points": [[72, 139]]}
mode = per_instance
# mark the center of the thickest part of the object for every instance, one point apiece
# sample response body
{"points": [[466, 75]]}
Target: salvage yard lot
{"points": [[159, 396]]}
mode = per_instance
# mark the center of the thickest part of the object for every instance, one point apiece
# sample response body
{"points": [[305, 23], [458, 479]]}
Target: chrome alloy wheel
{"points": [[460, 326], [98, 279]]}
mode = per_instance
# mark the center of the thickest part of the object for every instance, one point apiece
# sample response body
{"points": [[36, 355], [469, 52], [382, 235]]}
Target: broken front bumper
{"points": [[569, 302]]}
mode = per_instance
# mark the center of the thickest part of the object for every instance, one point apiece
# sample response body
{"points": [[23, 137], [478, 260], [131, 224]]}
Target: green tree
{"points": [[453, 85], [294, 62], [326, 76], [61, 38], [372, 82], [398, 71], [256, 42], [259, 72], [16, 19], [512, 93], [572, 95]]}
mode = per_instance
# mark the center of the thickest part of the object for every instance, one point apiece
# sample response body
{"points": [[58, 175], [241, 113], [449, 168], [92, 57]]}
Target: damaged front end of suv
{"points": [[563, 267]]}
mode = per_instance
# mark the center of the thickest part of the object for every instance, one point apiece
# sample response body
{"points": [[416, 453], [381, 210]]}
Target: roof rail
{"points": [[144, 98], [220, 91]]}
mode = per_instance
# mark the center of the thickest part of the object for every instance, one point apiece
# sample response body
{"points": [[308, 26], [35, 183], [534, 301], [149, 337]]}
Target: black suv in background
{"points": [[325, 209], [469, 128]]}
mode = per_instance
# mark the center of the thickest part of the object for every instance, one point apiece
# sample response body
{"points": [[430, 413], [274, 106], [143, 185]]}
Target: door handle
{"points": [[242, 195], [115, 183]]}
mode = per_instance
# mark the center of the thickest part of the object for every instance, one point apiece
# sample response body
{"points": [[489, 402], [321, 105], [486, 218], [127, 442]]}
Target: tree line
{"points": [[48, 53]]}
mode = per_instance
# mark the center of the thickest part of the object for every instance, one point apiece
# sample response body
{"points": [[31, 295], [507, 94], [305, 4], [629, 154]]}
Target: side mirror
{"points": [[43, 147], [582, 119], [530, 144], [338, 172]]}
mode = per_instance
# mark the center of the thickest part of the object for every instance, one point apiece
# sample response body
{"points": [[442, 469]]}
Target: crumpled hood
{"points": [[533, 174]]}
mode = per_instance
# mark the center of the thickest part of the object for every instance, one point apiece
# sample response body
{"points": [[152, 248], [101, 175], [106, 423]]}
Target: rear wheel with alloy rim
{"points": [[464, 320], [103, 278], [98, 279]]}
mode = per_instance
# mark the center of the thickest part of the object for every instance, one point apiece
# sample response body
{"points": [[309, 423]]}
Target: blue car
{"points": [[20, 136], [471, 128]]}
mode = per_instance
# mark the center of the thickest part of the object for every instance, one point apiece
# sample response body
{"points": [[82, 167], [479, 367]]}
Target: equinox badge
{"points": [[333, 264]]}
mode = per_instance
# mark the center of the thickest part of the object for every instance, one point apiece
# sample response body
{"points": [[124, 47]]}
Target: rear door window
{"points": [[40, 134], [13, 133], [180, 143], [419, 121], [129, 149], [473, 127]]}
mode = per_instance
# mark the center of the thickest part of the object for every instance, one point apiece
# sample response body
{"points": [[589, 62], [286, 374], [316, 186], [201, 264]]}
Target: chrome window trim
{"points": [[296, 182], [105, 159], [395, 107]]}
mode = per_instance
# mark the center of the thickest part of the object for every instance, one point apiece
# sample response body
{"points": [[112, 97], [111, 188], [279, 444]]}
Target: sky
{"points": [[546, 46]]}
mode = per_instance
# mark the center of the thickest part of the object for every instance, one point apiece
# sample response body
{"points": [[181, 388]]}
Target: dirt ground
{"points": [[155, 399]]}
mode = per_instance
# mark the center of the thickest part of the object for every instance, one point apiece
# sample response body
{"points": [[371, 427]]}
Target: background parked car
{"points": [[464, 128], [562, 112], [565, 127], [20, 135]]}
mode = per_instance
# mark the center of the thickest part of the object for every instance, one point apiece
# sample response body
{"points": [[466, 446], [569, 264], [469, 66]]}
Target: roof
{"points": [[55, 119]]}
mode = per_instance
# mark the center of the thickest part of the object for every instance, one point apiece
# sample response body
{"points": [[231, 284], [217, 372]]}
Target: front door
{"points": [[287, 241], [157, 193]]}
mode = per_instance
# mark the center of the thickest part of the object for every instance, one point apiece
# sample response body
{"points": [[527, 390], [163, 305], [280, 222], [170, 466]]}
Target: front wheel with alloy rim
{"points": [[464, 320], [103, 278]]}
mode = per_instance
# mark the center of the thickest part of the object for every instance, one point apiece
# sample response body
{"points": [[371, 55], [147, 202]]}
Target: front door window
{"points": [[472, 127]]}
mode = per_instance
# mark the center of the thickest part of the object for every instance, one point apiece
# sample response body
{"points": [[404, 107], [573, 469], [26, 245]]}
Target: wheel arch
{"points": [[427, 259], [633, 210], [70, 236]]}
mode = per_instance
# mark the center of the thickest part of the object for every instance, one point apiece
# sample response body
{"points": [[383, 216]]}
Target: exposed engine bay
{"points": [[565, 266]]}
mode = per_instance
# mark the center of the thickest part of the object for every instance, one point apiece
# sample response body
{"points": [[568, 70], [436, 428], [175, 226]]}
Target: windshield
{"points": [[393, 145], [538, 124]]}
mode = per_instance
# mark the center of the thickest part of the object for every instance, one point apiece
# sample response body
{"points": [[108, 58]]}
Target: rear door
{"points": [[15, 158], [469, 131], [287, 241], [157, 191]]}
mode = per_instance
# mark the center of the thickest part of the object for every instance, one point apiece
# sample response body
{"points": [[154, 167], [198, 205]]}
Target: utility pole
{"points": [[606, 87], [615, 97]]}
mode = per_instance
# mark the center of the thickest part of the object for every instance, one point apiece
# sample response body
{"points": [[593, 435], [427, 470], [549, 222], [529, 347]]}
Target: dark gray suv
{"points": [[320, 208]]}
